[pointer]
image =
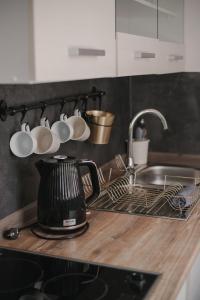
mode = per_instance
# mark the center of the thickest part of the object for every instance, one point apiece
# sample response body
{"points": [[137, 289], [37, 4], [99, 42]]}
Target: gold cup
{"points": [[100, 123]]}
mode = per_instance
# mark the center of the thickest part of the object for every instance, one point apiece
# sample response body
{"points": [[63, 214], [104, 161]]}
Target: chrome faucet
{"points": [[131, 126]]}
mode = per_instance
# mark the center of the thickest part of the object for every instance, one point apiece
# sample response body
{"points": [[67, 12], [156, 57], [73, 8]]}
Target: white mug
{"points": [[22, 143], [80, 127], [47, 141], [62, 129]]}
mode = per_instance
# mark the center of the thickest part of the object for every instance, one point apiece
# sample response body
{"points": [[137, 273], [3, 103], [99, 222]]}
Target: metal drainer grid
{"points": [[150, 200]]}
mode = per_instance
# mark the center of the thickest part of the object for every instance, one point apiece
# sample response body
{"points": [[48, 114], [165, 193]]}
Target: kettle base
{"points": [[49, 234], [62, 229]]}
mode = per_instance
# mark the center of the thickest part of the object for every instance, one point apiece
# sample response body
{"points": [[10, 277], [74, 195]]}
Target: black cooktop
{"points": [[27, 276]]}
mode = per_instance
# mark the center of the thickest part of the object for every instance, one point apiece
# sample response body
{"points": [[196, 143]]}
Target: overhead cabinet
{"points": [[136, 55], [50, 40], [153, 29], [171, 36], [171, 57]]}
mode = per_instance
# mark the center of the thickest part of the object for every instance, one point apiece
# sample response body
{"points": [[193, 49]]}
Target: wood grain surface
{"points": [[166, 246]]}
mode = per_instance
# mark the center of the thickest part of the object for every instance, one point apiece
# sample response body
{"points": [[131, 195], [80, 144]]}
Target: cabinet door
{"points": [[136, 55], [193, 287], [171, 20], [74, 39], [171, 57], [137, 17], [183, 293], [16, 38]]}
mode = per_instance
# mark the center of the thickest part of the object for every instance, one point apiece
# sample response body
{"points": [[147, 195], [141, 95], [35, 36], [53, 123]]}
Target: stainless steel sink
{"points": [[159, 175]]}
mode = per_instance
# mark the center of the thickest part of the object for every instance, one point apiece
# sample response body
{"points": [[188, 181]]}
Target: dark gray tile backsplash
{"points": [[19, 177], [177, 96]]}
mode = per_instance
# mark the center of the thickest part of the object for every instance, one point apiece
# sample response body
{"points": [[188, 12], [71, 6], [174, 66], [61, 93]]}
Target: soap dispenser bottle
{"points": [[140, 131]]}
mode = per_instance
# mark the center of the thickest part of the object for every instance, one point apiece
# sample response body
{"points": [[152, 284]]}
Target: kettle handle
{"points": [[94, 178]]}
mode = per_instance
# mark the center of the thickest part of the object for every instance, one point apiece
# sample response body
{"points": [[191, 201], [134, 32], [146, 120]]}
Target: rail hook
{"points": [[62, 106], [75, 105], [24, 111], [43, 107], [100, 102], [84, 103], [3, 110]]}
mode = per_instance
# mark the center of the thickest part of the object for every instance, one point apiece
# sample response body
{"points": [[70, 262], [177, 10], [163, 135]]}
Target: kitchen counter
{"points": [[150, 244]]}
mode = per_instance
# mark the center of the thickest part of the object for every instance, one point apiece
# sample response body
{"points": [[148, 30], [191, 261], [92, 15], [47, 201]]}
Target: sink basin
{"points": [[159, 175]]}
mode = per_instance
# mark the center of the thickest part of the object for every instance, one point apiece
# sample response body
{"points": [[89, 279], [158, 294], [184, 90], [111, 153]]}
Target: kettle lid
{"points": [[59, 159]]}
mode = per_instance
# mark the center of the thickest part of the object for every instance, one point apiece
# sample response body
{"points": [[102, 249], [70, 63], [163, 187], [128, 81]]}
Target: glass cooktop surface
{"points": [[27, 276]]}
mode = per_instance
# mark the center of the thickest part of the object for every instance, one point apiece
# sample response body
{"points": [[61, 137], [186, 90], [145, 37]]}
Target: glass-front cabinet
{"points": [[149, 36], [171, 35], [138, 17], [171, 20], [162, 19]]}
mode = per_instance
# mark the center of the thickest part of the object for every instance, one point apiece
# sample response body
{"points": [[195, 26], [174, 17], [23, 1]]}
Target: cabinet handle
{"points": [[140, 54], [86, 52], [174, 57]]}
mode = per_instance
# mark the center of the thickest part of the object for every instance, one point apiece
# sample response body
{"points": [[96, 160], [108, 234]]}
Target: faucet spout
{"points": [[131, 126]]}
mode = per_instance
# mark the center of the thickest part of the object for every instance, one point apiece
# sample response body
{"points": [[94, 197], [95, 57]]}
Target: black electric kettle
{"points": [[61, 198]]}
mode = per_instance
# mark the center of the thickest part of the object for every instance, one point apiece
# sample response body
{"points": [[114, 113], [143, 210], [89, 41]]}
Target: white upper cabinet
{"points": [[171, 36], [59, 40], [136, 25], [136, 55], [191, 35], [16, 41], [56, 40], [149, 36], [171, 57]]}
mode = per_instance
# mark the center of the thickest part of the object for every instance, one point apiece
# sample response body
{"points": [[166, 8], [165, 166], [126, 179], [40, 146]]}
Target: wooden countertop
{"points": [[151, 244]]}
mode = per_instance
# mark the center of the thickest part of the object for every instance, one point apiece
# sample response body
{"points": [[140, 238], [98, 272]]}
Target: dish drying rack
{"points": [[121, 193]]}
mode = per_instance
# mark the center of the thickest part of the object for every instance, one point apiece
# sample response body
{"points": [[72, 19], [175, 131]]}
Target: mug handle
{"points": [[77, 113], [25, 127], [94, 178], [63, 117], [45, 122]]}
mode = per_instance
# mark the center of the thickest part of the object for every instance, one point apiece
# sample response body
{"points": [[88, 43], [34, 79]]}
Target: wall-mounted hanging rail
{"points": [[6, 110]]}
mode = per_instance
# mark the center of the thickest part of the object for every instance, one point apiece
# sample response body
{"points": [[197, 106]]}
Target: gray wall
{"points": [[177, 96]]}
